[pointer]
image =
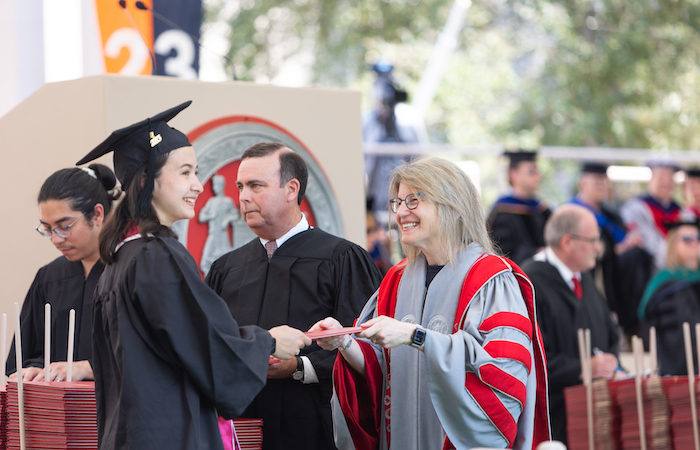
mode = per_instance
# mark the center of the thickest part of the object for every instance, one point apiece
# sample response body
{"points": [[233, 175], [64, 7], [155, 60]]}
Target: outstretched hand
{"points": [[388, 332], [330, 343], [288, 341]]}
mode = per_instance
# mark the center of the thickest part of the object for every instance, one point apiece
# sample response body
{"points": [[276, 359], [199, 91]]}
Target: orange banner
{"points": [[127, 36]]}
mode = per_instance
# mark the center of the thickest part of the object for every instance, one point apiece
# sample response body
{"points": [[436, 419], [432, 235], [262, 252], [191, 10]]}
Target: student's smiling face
{"points": [[176, 189]]}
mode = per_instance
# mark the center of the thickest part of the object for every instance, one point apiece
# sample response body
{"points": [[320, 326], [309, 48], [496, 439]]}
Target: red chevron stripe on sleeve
{"points": [[502, 381], [507, 319], [509, 350], [496, 411]]}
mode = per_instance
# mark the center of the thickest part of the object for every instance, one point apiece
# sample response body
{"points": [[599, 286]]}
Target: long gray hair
{"points": [[460, 213]]}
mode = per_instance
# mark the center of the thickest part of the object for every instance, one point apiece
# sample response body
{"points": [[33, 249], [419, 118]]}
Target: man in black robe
{"points": [[618, 246], [296, 275], [567, 299], [516, 222]]}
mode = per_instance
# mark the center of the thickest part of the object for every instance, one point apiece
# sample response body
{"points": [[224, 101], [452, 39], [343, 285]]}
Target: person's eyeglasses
{"points": [[691, 238], [411, 201], [591, 241], [63, 232]]}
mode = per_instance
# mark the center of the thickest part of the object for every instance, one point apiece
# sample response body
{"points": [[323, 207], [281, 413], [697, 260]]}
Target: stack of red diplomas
{"points": [[249, 433], [56, 415]]}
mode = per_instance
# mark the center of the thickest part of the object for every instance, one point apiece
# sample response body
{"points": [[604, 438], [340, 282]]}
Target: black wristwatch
{"points": [[418, 338], [298, 374], [273, 347]]}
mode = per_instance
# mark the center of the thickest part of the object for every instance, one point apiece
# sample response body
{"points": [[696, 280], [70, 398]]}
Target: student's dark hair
{"points": [[81, 189], [292, 165], [125, 216]]}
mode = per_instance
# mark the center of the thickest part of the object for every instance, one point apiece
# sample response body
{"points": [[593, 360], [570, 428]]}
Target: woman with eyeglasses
{"points": [[73, 204], [672, 296], [453, 327]]}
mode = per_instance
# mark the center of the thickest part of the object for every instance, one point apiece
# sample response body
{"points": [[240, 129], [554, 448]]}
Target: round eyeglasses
{"points": [[411, 201], [62, 232]]}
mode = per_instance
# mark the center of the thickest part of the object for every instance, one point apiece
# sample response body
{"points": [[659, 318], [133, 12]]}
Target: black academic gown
{"points": [[560, 314], [674, 303], [61, 283], [518, 230], [311, 276], [167, 354]]}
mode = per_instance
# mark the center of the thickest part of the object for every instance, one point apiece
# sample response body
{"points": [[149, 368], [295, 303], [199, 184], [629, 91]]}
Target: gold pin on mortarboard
{"points": [[155, 139]]}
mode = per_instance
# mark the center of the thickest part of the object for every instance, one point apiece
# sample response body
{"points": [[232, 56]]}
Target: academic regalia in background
{"points": [[517, 226], [671, 298], [648, 217], [311, 276], [167, 353], [61, 283], [560, 314]]}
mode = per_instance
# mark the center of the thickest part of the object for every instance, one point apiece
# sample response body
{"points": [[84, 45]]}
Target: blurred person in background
{"points": [[622, 263], [650, 213], [516, 222], [691, 193], [568, 299], [673, 296]]}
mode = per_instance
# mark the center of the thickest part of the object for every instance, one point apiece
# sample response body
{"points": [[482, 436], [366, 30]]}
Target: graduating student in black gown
{"points": [[516, 221], [310, 276], [73, 204], [167, 354]]}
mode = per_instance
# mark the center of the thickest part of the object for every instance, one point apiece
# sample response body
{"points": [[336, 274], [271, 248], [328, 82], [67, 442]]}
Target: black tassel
{"points": [[143, 206]]}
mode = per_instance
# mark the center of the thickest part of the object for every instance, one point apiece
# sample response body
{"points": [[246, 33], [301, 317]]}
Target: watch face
{"points": [[297, 375], [418, 337]]}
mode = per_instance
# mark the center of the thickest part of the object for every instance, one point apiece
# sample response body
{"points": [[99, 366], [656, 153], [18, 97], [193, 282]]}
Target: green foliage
{"points": [[616, 73], [620, 74]]}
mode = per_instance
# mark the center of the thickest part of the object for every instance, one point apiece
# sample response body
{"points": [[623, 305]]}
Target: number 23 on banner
{"points": [[124, 37]]}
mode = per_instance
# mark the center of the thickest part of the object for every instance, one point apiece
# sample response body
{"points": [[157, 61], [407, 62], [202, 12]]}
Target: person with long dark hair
{"points": [[73, 204], [167, 353]]}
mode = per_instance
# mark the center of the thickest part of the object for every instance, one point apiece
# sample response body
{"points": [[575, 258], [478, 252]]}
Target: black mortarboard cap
{"points": [[692, 222], [664, 162], [594, 167], [138, 144], [520, 156], [693, 172]]}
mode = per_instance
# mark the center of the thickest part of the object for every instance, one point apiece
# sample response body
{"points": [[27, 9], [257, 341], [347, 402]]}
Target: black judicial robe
{"points": [[560, 314], [517, 227], [167, 354], [61, 283], [311, 276]]}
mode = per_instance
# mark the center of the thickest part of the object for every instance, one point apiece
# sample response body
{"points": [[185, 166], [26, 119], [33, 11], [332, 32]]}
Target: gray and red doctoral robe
{"points": [[481, 380]]}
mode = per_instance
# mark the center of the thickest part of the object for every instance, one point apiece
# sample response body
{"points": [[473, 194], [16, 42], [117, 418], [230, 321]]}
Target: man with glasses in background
{"points": [[292, 274], [567, 299]]}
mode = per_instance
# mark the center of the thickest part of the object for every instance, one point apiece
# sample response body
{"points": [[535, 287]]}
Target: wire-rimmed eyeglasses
{"points": [[411, 201], [591, 241], [63, 232]]}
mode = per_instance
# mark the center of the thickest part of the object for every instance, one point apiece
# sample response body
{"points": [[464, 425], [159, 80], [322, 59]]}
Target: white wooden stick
{"points": [[3, 339], [589, 390], [691, 382], [20, 387], [582, 356], [71, 343], [639, 369], [653, 359], [697, 347], [47, 342]]}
